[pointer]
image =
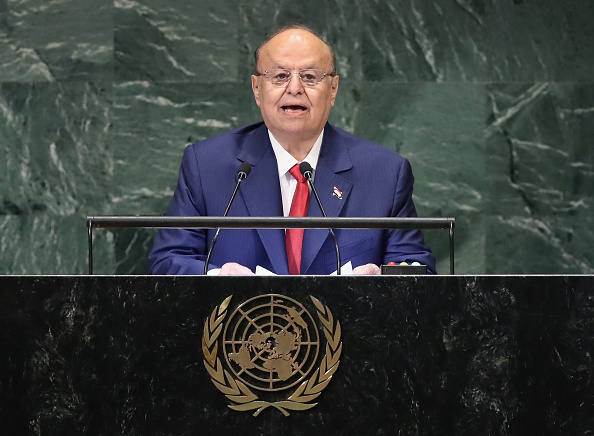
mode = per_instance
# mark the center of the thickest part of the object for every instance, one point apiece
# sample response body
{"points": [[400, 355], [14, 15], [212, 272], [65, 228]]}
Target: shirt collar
{"points": [[285, 161]]}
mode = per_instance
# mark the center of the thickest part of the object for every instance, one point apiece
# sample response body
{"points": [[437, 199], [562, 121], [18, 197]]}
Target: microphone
{"points": [[306, 170], [242, 172]]}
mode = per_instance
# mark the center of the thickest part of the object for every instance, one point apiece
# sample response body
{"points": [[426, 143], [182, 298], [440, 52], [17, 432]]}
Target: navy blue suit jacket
{"points": [[374, 181]]}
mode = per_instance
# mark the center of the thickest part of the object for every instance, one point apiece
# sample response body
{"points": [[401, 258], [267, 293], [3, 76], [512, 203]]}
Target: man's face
{"points": [[295, 113]]}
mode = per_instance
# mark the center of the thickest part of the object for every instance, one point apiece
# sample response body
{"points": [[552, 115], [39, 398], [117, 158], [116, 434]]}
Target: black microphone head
{"points": [[244, 170], [305, 168]]}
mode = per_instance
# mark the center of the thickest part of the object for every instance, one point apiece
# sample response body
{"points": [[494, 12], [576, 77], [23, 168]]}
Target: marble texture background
{"points": [[492, 102]]}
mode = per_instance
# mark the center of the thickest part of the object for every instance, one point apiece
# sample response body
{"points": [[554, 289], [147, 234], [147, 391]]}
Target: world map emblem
{"points": [[274, 352]]}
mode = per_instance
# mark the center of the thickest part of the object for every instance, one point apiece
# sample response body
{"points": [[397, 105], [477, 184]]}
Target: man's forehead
{"points": [[296, 43]]}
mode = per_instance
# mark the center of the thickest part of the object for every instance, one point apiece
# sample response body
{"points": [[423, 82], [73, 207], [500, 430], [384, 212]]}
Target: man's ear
{"points": [[256, 88], [334, 88]]}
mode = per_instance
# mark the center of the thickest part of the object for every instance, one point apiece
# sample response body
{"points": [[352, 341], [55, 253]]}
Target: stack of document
{"points": [[345, 270]]}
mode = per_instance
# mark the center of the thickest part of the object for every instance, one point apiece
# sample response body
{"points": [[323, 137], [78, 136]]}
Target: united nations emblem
{"points": [[271, 344]]}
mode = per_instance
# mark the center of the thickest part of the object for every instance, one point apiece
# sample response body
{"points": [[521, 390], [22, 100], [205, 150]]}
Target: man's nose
{"points": [[295, 86]]}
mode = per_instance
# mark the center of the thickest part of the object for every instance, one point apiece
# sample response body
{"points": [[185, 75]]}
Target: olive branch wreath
{"points": [[239, 393]]}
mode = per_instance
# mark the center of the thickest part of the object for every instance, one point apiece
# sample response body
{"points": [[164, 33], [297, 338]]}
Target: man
{"points": [[295, 86]]}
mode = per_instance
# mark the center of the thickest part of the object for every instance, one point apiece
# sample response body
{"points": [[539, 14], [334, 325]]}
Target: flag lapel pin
{"points": [[337, 193]]}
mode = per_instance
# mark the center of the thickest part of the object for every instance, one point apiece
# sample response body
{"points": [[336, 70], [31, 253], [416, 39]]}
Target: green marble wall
{"points": [[492, 102]]}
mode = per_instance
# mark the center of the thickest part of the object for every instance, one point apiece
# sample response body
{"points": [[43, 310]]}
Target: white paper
{"points": [[261, 271], [345, 270]]}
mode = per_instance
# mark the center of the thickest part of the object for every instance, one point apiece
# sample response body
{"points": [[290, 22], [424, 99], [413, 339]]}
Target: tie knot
{"points": [[297, 174]]}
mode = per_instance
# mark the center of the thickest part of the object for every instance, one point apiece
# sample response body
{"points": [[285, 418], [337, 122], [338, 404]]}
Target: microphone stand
{"points": [[242, 173], [306, 170]]}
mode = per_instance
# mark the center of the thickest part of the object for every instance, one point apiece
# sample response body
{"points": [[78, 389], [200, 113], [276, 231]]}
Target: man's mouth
{"points": [[294, 108]]}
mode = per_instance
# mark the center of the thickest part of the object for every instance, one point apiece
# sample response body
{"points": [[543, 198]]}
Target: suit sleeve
{"points": [[182, 251], [406, 245]]}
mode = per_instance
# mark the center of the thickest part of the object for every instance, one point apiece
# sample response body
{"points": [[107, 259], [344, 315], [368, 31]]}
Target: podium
{"points": [[449, 355]]}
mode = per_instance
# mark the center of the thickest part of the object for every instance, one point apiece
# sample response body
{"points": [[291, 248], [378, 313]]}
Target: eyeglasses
{"points": [[309, 77]]}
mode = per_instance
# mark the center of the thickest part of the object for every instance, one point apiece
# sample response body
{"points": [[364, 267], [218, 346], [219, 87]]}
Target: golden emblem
{"points": [[270, 344]]}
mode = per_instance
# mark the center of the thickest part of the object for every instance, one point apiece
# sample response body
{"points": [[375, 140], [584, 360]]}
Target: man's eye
{"points": [[281, 76], [309, 77]]}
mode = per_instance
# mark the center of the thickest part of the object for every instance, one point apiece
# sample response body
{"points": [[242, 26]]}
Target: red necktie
{"points": [[294, 237]]}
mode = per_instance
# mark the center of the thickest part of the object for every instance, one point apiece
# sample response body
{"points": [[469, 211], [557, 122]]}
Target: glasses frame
{"points": [[290, 74]]}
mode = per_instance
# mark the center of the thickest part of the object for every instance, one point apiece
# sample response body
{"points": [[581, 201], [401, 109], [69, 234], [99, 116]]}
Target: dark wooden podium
{"points": [[421, 355]]}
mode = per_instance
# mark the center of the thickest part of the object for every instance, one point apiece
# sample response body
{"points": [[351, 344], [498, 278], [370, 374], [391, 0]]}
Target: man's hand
{"points": [[235, 269], [367, 270]]}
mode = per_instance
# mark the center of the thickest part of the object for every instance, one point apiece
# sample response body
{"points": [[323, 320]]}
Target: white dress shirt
{"points": [[285, 162]]}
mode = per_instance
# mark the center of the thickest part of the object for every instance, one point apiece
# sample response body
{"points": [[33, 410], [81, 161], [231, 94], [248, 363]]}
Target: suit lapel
{"points": [[334, 159], [261, 193]]}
